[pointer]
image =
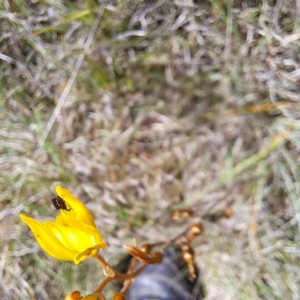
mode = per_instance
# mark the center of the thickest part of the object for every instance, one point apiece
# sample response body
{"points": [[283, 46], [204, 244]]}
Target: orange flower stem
{"points": [[126, 285], [132, 265], [113, 275], [107, 269], [120, 276], [103, 284]]}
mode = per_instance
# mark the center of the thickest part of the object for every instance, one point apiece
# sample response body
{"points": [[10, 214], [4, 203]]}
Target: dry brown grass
{"points": [[168, 110]]}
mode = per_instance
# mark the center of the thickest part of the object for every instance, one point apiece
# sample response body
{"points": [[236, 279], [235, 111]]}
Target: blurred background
{"points": [[162, 105]]}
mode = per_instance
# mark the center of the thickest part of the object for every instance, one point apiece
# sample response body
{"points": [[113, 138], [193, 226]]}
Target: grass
{"points": [[175, 104]]}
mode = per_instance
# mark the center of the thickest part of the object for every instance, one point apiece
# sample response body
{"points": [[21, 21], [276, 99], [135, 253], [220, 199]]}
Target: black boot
{"points": [[166, 281]]}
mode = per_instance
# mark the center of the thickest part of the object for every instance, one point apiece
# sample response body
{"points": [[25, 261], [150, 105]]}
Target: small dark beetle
{"points": [[59, 203]]}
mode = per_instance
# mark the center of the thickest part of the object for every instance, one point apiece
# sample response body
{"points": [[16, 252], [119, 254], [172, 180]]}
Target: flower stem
{"points": [[113, 275]]}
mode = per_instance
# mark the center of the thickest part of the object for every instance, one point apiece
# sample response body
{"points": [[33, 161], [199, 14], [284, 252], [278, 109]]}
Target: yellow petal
{"points": [[47, 240], [77, 224], [78, 209], [56, 231], [76, 239]]}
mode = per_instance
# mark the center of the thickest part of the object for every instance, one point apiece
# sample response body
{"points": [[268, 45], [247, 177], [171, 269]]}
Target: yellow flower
{"points": [[72, 236], [74, 296], [77, 296]]}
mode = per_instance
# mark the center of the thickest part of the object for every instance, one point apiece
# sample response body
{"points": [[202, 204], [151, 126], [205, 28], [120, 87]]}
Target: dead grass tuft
{"points": [[176, 104]]}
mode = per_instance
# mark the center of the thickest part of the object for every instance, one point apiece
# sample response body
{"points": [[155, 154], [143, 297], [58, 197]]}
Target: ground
{"points": [[144, 107]]}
